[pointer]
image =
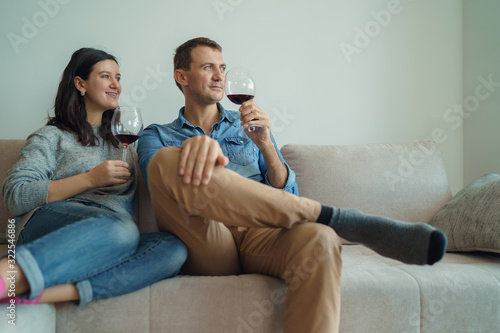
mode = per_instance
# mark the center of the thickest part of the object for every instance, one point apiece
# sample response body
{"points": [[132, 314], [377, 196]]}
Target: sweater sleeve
{"points": [[26, 185]]}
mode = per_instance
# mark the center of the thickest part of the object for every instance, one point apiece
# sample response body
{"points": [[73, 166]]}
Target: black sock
{"points": [[325, 215], [411, 243]]}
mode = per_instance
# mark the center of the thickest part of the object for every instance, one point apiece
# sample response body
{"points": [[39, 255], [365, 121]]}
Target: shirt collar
{"points": [[223, 115]]}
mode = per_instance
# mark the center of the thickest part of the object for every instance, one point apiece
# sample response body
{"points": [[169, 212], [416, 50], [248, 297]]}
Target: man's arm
{"points": [[149, 143], [277, 172], [291, 184]]}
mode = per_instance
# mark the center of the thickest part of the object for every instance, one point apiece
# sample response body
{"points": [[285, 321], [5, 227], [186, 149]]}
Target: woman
{"points": [[74, 197]]}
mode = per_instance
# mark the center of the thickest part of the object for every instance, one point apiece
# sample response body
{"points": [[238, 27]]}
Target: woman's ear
{"points": [[80, 85]]}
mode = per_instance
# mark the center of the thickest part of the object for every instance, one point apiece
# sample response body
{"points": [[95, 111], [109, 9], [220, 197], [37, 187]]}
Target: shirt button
{"points": [[241, 141], [254, 149]]}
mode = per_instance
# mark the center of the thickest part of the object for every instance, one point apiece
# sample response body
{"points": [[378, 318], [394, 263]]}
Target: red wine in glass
{"points": [[240, 87], [126, 126], [239, 98], [126, 139]]}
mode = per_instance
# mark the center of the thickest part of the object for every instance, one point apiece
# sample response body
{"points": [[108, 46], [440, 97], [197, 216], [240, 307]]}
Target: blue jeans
{"points": [[102, 252]]}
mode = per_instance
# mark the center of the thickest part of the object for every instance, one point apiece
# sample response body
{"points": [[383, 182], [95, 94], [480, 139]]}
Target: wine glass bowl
{"points": [[126, 126], [239, 88]]}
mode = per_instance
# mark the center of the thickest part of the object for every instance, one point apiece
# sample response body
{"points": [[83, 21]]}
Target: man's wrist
{"points": [[267, 146]]}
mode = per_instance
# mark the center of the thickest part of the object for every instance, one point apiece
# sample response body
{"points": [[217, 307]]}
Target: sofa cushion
{"points": [[471, 220], [460, 293], [40, 318], [208, 304]]}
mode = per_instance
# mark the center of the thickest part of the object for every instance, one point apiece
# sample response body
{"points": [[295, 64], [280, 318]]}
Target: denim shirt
{"points": [[244, 156]]}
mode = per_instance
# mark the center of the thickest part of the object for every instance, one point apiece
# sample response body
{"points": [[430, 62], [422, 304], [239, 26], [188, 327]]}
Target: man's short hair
{"points": [[182, 57]]}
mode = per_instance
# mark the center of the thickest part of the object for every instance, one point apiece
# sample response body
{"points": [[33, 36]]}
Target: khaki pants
{"points": [[235, 225]]}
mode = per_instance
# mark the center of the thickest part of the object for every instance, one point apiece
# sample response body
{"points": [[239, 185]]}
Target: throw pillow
{"points": [[471, 220]]}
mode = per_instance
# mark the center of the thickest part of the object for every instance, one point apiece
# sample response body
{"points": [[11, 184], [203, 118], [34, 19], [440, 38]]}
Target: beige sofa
{"points": [[405, 181]]}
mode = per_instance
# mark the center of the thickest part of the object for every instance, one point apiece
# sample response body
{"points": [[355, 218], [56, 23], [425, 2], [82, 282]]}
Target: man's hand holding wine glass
{"points": [[252, 114]]}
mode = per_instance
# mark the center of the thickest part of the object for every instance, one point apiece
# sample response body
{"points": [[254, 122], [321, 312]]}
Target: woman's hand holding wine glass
{"points": [[109, 173]]}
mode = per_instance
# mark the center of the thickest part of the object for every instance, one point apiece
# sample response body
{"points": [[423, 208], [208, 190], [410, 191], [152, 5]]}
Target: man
{"points": [[232, 200]]}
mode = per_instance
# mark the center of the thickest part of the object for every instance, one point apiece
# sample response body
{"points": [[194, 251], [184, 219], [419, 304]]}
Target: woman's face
{"points": [[102, 88]]}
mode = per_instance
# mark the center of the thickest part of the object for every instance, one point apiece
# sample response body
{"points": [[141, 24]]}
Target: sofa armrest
{"points": [[9, 152]]}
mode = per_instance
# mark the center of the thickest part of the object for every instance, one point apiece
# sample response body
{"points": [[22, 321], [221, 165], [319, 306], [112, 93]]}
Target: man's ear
{"points": [[180, 77], [80, 84]]}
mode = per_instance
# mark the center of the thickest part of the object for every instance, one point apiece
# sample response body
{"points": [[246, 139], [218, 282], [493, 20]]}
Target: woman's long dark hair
{"points": [[69, 108]]}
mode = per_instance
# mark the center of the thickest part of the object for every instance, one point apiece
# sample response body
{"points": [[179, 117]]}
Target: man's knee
{"points": [[165, 156], [163, 164]]}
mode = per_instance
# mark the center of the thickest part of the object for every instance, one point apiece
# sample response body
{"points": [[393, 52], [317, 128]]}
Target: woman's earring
{"points": [[83, 93]]}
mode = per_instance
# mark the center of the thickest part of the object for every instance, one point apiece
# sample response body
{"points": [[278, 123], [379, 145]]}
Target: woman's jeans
{"points": [[102, 252]]}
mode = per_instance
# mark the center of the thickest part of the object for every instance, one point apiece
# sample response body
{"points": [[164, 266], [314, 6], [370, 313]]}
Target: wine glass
{"points": [[240, 87], [126, 126]]}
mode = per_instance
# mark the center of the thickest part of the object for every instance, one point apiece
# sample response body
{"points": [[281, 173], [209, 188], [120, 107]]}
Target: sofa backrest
{"points": [[404, 181]]}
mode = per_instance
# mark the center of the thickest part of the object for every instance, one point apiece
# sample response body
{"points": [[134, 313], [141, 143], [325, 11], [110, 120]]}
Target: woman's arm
{"points": [[26, 184], [30, 182], [106, 173]]}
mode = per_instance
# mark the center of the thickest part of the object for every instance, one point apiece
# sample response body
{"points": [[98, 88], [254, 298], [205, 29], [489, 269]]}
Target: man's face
{"points": [[205, 78]]}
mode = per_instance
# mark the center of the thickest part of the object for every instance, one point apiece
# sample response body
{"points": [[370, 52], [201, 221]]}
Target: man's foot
{"points": [[411, 243]]}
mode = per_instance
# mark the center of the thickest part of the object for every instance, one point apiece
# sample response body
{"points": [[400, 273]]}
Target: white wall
{"points": [[481, 101], [328, 72]]}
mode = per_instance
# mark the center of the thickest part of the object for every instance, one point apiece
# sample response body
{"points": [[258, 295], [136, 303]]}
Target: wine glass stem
{"points": [[124, 154]]}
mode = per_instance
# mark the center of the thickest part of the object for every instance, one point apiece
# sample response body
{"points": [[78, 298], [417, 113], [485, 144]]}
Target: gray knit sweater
{"points": [[52, 154]]}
